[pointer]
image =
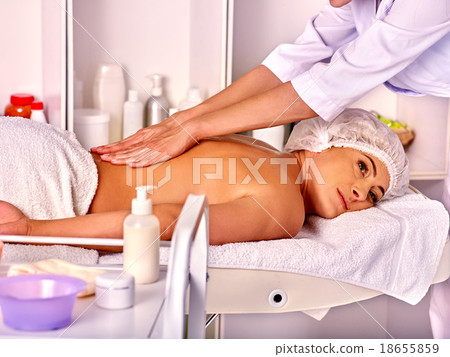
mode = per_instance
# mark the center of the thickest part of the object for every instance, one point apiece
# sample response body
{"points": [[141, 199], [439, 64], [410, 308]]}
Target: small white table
{"points": [[91, 321], [154, 303]]}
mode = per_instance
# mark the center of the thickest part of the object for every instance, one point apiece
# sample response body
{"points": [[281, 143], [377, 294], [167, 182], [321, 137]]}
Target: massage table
{"points": [[261, 291], [239, 290]]}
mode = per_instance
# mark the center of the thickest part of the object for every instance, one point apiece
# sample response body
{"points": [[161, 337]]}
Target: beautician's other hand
{"points": [[1, 250], [12, 220], [151, 145]]}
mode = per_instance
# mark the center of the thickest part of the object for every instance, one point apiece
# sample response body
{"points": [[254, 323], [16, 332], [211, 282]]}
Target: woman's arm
{"points": [[245, 219], [257, 81], [253, 83], [257, 100], [277, 106], [104, 224], [97, 225]]}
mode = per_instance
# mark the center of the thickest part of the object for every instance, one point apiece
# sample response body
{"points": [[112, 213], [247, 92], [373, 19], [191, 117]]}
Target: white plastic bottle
{"points": [[193, 98], [273, 136], [109, 95], [133, 114], [37, 112], [157, 105], [141, 233]]}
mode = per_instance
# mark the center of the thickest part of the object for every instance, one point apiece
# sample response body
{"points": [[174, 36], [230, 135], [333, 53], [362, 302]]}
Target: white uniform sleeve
{"points": [[322, 36], [388, 46]]}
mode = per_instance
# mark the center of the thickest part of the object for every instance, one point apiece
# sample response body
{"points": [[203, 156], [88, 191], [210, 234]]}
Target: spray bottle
{"points": [[157, 105], [141, 232]]}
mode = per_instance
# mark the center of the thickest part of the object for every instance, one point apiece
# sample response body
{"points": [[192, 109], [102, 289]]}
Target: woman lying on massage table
{"points": [[254, 191]]}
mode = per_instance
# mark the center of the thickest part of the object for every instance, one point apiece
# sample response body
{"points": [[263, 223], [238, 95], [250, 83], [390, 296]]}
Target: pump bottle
{"points": [[141, 233], [157, 105]]}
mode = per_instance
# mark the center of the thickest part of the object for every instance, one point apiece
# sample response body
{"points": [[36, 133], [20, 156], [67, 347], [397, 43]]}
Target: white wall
{"points": [[179, 39], [53, 63], [30, 40], [21, 48], [207, 45], [260, 25], [144, 36]]}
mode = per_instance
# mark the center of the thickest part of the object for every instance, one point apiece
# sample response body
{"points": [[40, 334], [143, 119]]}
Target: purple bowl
{"points": [[39, 302]]}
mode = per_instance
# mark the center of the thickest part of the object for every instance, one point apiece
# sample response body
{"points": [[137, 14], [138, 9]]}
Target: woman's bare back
{"points": [[224, 168]]}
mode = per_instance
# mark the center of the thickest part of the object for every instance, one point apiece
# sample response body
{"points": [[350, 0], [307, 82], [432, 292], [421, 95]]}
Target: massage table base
{"points": [[254, 291]]}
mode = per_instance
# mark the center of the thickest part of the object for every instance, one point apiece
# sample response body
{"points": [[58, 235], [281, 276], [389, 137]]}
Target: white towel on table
{"points": [[44, 170], [26, 253], [394, 247]]}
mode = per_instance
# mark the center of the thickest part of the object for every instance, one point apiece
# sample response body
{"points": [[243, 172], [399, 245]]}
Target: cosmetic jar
{"points": [[114, 290], [20, 105]]}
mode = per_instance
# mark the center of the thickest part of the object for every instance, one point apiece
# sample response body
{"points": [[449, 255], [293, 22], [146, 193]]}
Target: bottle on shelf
{"points": [[157, 104], [37, 112], [20, 105], [109, 95], [133, 114], [141, 231], [273, 136], [193, 98]]}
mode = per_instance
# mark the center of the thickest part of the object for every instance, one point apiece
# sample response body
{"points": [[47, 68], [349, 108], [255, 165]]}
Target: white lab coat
{"points": [[346, 52]]}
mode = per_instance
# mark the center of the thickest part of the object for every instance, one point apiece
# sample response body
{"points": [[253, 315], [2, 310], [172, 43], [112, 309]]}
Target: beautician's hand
{"points": [[151, 145], [1, 249], [12, 220]]}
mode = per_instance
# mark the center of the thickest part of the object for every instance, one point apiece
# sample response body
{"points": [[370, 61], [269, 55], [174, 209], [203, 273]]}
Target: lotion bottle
{"points": [[141, 233], [133, 114]]}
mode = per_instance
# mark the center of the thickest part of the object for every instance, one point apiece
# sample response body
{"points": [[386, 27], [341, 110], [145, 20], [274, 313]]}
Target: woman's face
{"points": [[339, 3], [352, 181]]}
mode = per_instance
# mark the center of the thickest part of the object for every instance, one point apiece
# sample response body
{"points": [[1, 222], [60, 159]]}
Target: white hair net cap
{"points": [[360, 130]]}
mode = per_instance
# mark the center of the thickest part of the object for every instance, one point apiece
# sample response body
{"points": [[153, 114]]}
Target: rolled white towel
{"points": [[45, 172]]}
